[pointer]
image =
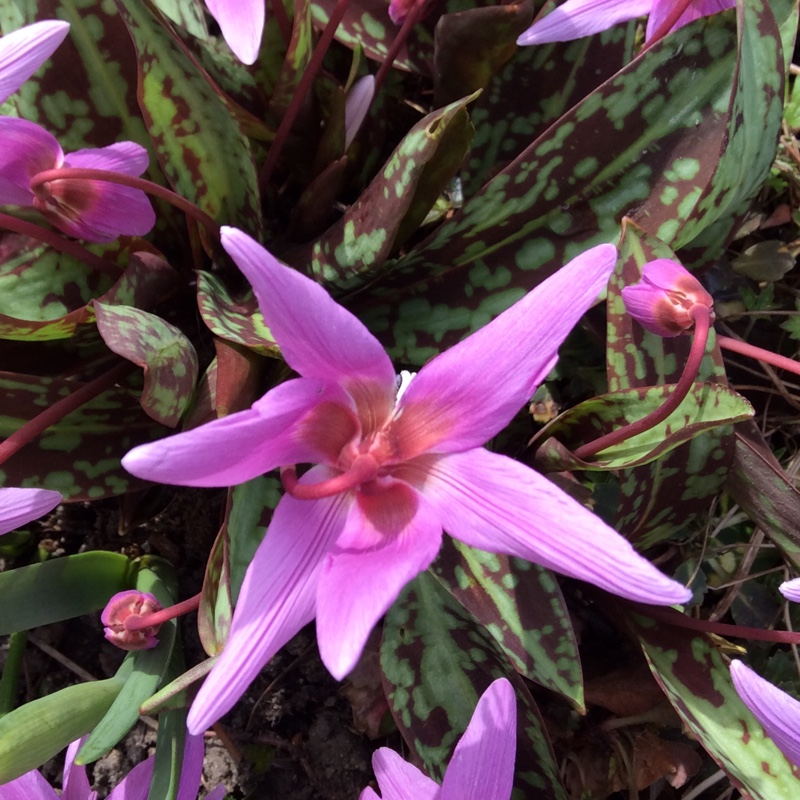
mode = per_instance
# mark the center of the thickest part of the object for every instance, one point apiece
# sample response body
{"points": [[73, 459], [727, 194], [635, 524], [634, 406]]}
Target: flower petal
{"points": [[191, 768], [388, 539], [497, 504], [358, 102], [242, 24], [696, 9], [18, 506], [25, 149], [444, 409], [238, 447], [318, 338], [482, 766], [128, 158], [578, 18], [75, 783], [23, 51], [778, 712], [278, 597], [30, 786], [136, 784], [399, 780], [791, 590]]}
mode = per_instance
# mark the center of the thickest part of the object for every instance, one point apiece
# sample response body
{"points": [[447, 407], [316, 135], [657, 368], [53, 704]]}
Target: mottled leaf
{"points": [[215, 611]]}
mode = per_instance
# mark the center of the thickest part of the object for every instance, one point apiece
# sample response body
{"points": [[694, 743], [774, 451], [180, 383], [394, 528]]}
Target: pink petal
{"points": [[447, 408], [497, 504], [697, 9], [791, 590], [128, 158], [191, 768], [19, 506], [23, 51], [778, 712], [388, 539], [278, 597], [242, 24], [482, 767], [30, 786], [238, 447], [25, 150], [318, 338], [578, 18], [217, 793], [358, 102], [136, 784], [75, 784], [399, 780]]}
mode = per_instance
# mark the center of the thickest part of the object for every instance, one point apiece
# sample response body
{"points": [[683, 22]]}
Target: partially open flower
{"points": [[665, 297], [122, 617]]}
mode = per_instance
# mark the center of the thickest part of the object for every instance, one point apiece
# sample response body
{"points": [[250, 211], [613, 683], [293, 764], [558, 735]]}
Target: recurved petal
{"points": [[447, 408], [277, 598], [318, 338], [482, 767], [75, 785], [18, 506], [242, 24], [399, 780], [30, 786], [697, 8], [497, 504], [25, 149], [128, 158], [578, 18], [235, 448], [136, 784], [23, 51], [389, 538], [778, 713], [791, 590]]}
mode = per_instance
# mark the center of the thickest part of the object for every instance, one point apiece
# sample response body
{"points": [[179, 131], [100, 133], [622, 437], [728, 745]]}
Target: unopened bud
{"points": [[663, 300], [124, 616], [791, 590]]}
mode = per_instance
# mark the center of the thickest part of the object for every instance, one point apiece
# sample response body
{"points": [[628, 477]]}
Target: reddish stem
{"points": [[301, 93], [59, 243], [413, 17], [746, 349], [136, 622], [669, 23], [50, 416], [720, 628], [282, 20], [85, 174], [702, 319]]}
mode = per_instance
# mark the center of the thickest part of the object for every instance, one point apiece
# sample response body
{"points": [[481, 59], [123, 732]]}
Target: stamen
{"points": [[364, 468]]}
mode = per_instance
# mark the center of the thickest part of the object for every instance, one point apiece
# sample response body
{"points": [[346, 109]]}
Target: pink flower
{"points": [[482, 766], [130, 604], [134, 786], [19, 506], [242, 25], [23, 51], [391, 473], [662, 301], [778, 712], [98, 211], [791, 590], [578, 18]]}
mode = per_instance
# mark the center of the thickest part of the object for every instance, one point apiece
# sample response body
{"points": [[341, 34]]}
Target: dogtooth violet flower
{"points": [[791, 590], [389, 474], [777, 711], [23, 51], [134, 786], [95, 210], [18, 506], [482, 766], [242, 24], [578, 18]]}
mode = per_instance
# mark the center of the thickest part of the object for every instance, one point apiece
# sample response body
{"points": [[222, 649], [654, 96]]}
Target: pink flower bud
{"points": [[122, 618], [663, 300]]}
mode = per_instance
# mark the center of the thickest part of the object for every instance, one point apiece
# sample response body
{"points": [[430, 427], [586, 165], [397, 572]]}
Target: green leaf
{"points": [[61, 588], [216, 610], [170, 750], [167, 357]]}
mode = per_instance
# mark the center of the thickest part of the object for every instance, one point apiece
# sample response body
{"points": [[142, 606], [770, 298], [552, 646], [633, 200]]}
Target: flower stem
{"points": [[758, 353], [50, 416], [414, 15], [702, 318], [138, 622], [669, 23], [144, 185], [59, 243], [301, 93]]}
